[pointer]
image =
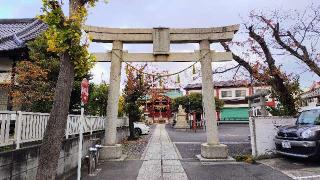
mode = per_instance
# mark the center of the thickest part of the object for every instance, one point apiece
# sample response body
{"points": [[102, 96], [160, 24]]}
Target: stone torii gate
{"points": [[161, 38]]}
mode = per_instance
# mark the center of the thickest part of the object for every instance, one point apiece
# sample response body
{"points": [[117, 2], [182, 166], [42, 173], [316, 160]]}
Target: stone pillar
{"points": [[111, 150], [212, 149], [263, 110], [181, 121]]}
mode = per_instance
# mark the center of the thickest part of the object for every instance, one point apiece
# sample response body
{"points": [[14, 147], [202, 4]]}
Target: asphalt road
{"points": [[197, 171], [234, 135], [227, 133], [116, 170]]}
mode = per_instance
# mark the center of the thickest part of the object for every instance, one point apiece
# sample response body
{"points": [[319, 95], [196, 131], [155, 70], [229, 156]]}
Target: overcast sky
{"points": [[166, 13]]}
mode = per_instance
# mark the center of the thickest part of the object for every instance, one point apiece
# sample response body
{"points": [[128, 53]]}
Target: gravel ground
{"points": [[134, 149]]}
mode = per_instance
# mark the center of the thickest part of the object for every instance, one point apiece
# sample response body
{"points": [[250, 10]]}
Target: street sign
{"points": [[84, 91], [84, 100]]}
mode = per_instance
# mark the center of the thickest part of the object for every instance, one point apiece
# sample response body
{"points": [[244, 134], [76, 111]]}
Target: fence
{"points": [[18, 127]]}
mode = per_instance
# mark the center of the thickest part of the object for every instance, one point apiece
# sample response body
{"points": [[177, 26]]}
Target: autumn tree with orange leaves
{"points": [[32, 86], [137, 86]]}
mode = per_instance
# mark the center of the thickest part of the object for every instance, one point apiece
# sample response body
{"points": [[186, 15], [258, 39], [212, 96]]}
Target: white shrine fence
{"points": [[17, 127]]}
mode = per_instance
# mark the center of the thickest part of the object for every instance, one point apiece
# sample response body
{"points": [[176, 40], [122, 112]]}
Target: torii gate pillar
{"points": [[212, 149], [111, 150]]}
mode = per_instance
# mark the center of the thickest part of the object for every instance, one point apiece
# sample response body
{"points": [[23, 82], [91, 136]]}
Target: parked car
{"points": [[141, 128], [302, 139]]}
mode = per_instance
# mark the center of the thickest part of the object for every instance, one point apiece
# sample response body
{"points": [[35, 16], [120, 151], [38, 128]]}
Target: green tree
{"points": [[98, 98], [121, 106], [193, 103]]}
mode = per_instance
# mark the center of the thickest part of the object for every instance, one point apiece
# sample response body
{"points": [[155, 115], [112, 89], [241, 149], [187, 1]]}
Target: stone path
{"points": [[161, 161]]}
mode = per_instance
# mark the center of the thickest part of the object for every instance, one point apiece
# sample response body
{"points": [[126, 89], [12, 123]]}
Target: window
{"points": [[260, 90], [226, 94], [240, 93]]}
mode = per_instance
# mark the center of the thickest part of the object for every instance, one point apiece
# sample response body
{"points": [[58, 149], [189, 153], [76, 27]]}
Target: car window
{"points": [[317, 121], [310, 117]]}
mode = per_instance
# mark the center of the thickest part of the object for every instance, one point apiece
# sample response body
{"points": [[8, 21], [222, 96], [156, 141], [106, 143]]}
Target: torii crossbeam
{"points": [[161, 38]]}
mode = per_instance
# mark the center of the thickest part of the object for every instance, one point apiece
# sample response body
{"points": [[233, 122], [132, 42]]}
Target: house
{"points": [[233, 94], [311, 97], [14, 34]]}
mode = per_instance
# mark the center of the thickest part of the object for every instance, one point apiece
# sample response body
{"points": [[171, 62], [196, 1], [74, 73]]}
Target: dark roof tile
{"points": [[15, 32]]}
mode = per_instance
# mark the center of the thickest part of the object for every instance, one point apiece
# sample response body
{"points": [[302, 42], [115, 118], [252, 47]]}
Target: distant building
{"points": [[157, 104], [311, 97], [233, 94], [14, 34]]}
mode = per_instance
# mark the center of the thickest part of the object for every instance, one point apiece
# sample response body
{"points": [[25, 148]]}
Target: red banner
{"points": [[84, 91]]}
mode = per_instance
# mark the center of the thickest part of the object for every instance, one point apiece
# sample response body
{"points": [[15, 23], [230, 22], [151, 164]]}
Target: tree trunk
{"points": [[132, 135], [277, 82], [55, 130]]}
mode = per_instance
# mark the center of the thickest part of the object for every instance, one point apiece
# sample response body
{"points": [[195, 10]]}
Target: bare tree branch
{"points": [[239, 60], [277, 82], [305, 56]]}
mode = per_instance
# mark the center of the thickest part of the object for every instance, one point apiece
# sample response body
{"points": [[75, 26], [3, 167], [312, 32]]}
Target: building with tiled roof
{"points": [[14, 34], [233, 94]]}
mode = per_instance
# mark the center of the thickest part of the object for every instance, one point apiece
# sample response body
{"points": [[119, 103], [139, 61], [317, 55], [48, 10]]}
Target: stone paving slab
{"points": [[171, 162], [161, 160], [150, 169], [174, 176], [173, 169]]}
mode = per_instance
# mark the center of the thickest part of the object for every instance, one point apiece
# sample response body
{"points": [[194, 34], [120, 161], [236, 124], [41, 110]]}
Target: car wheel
{"points": [[137, 132]]}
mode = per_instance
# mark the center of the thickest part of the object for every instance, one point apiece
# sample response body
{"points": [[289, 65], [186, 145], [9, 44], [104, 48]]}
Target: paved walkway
{"points": [[161, 160]]}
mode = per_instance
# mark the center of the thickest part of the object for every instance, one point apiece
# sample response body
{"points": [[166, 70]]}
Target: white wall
{"points": [[263, 131], [194, 91], [5, 65]]}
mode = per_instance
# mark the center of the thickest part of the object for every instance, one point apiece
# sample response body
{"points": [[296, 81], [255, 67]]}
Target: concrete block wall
{"points": [[263, 131], [22, 163]]}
